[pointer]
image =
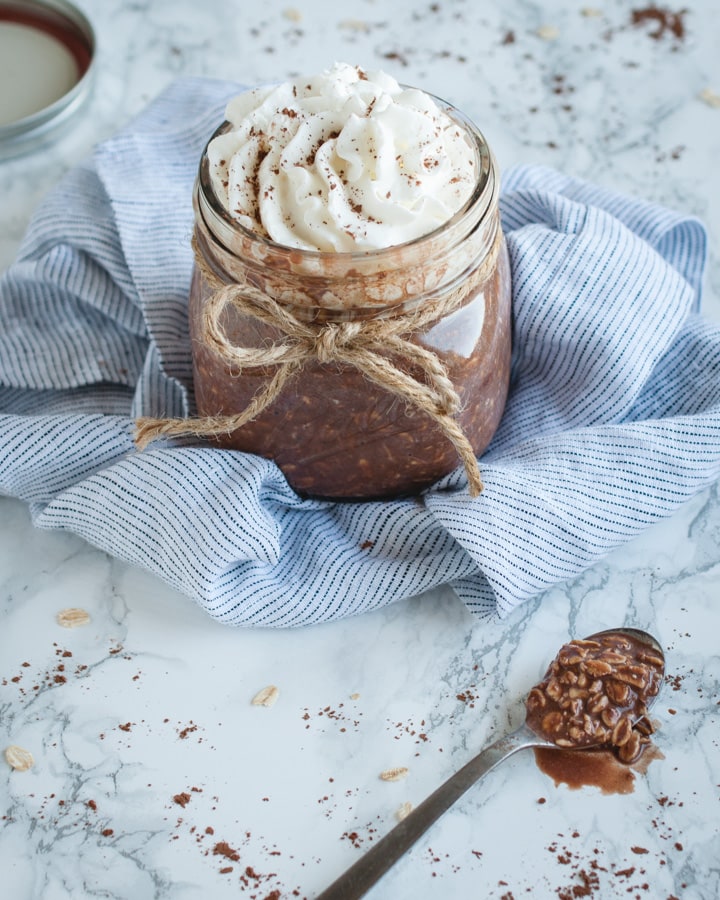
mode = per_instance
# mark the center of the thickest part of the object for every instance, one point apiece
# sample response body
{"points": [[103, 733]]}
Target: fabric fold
{"points": [[613, 417]]}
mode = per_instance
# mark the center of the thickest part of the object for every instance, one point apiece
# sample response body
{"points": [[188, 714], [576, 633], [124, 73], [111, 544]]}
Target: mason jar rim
{"points": [[485, 194]]}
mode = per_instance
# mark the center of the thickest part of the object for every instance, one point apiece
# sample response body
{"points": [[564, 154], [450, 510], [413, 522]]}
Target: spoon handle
{"points": [[363, 874]]}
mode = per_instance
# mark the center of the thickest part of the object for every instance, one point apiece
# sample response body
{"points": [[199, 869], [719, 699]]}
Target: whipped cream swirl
{"points": [[343, 161]]}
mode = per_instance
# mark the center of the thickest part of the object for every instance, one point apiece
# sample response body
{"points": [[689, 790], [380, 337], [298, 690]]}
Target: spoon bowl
{"points": [[584, 658], [643, 637], [597, 690]]}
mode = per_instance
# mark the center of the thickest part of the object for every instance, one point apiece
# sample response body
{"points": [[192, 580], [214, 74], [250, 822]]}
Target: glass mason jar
{"points": [[333, 432]]}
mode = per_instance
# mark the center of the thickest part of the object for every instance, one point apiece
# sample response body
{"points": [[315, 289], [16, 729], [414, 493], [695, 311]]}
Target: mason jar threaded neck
{"points": [[363, 279]]}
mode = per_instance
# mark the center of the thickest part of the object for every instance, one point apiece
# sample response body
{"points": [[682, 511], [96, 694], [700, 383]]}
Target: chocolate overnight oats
{"points": [[596, 693], [350, 307]]}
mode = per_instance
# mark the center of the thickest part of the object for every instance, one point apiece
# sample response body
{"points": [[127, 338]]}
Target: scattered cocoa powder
{"points": [[222, 848], [468, 697], [353, 837], [334, 714], [662, 22]]}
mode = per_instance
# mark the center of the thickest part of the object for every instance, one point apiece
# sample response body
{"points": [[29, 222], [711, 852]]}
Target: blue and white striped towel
{"points": [[613, 418]]}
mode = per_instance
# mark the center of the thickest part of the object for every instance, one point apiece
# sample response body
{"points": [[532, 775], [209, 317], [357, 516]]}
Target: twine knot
{"points": [[330, 342]]}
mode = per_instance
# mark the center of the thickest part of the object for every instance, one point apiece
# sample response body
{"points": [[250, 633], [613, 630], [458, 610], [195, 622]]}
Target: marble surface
{"points": [[154, 775]]}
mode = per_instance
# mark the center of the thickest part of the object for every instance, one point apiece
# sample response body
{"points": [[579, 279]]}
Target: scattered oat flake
{"points": [[710, 97], [354, 25], [355, 696], [403, 811], [591, 12], [548, 32], [293, 14], [395, 774], [266, 697], [20, 759], [73, 617]]}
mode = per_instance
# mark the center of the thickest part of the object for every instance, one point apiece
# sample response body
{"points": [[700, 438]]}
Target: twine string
{"points": [[369, 346]]}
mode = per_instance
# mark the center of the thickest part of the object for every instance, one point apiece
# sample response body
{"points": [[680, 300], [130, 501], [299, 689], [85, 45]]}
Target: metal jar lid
{"points": [[47, 51]]}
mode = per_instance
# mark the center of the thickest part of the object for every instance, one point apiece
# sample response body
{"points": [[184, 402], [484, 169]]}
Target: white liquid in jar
{"points": [[36, 69]]}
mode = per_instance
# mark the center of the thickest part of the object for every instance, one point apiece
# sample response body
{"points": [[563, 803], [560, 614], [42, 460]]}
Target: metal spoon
{"points": [[361, 876]]}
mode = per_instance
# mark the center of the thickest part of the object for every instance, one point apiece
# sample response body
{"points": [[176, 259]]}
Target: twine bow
{"points": [[368, 345]]}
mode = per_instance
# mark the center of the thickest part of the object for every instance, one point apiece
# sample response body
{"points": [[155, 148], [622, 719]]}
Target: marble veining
{"points": [[154, 775]]}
